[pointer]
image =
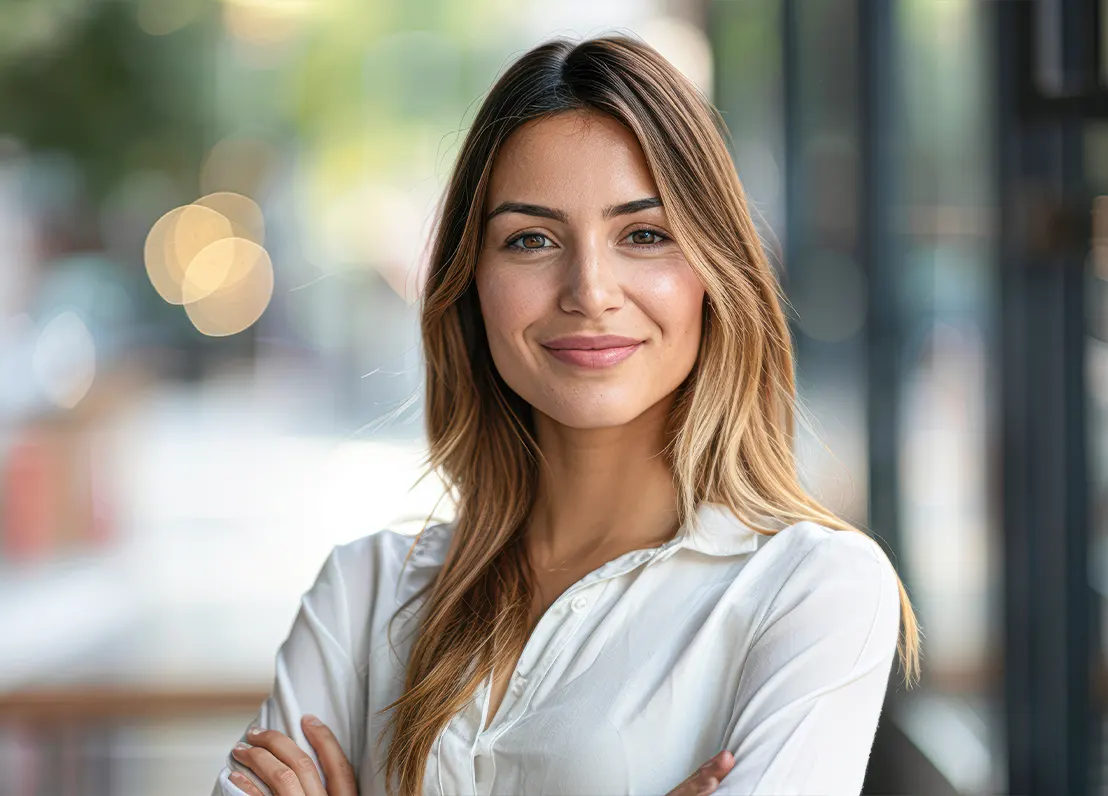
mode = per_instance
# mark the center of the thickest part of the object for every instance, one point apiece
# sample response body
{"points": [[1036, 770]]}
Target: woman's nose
{"points": [[590, 284]]}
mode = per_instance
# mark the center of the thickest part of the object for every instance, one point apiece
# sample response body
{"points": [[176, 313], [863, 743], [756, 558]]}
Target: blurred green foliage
{"points": [[81, 79]]}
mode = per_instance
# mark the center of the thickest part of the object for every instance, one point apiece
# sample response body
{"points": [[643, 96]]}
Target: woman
{"points": [[635, 580]]}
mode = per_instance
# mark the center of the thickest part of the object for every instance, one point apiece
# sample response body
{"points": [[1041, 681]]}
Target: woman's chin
{"points": [[595, 415]]}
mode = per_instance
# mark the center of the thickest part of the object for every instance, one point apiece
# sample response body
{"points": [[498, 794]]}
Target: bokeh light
{"points": [[262, 22], [684, 45], [64, 360], [242, 211], [174, 240], [162, 17], [209, 257], [227, 286]]}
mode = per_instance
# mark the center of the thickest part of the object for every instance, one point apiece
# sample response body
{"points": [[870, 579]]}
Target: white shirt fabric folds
{"points": [[778, 648]]}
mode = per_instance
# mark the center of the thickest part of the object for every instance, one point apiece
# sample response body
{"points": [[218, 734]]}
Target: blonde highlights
{"points": [[732, 426]]}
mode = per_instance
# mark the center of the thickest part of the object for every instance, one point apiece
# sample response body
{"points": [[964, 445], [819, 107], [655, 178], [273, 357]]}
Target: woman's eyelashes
{"points": [[655, 240]]}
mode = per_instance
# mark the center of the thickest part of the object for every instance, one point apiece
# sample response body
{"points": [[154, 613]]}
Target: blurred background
{"points": [[931, 181]]}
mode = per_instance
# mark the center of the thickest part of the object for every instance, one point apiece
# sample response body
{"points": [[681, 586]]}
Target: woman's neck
{"points": [[602, 490]]}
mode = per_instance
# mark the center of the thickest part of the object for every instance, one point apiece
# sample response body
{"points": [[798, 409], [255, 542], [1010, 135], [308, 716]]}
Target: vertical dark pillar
{"points": [[1044, 234], [793, 179], [883, 321]]}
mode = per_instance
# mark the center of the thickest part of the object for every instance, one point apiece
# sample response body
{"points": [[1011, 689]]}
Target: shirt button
{"points": [[518, 687], [579, 603]]}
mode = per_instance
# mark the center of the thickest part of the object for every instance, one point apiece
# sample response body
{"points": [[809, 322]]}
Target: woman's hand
{"points": [[288, 771], [706, 778]]}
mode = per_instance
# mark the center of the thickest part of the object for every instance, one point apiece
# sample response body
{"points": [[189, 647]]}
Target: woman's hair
{"points": [[730, 433]]}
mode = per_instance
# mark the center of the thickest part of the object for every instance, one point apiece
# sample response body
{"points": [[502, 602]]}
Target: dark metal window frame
{"points": [[1051, 609], [1040, 466]]}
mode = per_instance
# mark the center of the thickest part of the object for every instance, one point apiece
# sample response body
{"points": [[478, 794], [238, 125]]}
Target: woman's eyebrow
{"points": [[542, 211]]}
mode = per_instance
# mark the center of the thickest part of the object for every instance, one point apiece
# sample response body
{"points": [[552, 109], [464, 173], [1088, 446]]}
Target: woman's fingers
{"points": [[713, 771], [719, 765], [280, 763], [243, 783], [336, 768], [281, 779], [706, 779]]}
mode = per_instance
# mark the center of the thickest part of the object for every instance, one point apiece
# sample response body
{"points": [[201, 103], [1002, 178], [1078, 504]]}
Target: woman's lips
{"points": [[593, 357]]}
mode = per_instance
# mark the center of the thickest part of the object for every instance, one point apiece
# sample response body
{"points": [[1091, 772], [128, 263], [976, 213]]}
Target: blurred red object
{"points": [[55, 494], [29, 497]]}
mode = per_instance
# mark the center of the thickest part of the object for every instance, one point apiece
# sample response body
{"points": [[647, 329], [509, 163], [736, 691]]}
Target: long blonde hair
{"points": [[731, 428]]}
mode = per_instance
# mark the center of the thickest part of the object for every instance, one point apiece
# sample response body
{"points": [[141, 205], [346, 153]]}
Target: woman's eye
{"points": [[643, 237], [532, 241], [536, 241]]}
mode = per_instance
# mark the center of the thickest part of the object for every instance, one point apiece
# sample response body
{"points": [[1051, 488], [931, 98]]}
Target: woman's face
{"points": [[577, 245]]}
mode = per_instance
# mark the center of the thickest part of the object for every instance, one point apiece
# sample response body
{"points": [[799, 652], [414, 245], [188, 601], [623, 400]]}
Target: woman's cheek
{"points": [[510, 304], [673, 297]]}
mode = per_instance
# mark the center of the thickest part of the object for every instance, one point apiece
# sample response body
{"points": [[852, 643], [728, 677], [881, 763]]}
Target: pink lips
{"points": [[592, 351]]}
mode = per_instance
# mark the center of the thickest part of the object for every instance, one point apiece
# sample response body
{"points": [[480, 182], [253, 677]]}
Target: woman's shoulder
{"points": [[822, 576], [390, 540], [392, 562], [809, 544], [810, 563], [363, 583], [809, 549]]}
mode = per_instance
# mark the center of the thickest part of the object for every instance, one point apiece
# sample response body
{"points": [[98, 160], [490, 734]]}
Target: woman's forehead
{"points": [[559, 161]]}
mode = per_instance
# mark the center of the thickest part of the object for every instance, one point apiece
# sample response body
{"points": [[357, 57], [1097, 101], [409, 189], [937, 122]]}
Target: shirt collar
{"points": [[721, 533]]}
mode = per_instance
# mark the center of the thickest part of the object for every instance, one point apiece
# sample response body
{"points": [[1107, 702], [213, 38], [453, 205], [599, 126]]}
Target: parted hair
{"points": [[729, 434]]}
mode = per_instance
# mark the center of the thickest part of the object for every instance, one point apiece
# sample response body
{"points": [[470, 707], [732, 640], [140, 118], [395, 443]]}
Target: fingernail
{"points": [[237, 778], [240, 746], [312, 720], [253, 731]]}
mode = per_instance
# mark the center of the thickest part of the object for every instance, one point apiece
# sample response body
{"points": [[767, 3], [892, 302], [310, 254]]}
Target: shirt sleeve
{"points": [[315, 672], [814, 681]]}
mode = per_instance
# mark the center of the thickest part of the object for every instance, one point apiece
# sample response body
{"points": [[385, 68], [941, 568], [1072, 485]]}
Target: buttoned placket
{"points": [[526, 677]]}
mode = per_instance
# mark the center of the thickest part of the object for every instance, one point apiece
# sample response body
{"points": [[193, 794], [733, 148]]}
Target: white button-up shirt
{"points": [[778, 648]]}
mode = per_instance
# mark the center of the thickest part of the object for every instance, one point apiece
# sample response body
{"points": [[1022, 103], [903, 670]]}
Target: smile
{"points": [[593, 357]]}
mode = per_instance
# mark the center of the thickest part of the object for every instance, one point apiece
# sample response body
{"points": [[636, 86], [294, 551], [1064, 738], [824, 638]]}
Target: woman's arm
{"points": [[317, 668], [814, 681]]}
